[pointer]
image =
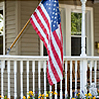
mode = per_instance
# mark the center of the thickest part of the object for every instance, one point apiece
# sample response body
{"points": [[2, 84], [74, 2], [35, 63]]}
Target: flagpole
{"points": [[18, 37]]}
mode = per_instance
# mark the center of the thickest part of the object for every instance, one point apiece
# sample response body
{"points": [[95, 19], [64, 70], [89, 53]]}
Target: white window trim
{"points": [[71, 8], [68, 9], [2, 7]]}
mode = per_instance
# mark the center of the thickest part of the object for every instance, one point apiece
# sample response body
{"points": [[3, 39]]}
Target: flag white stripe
{"points": [[51, 73], [56, 48], [48, 35], [58, 32], [39, 28], [55, 63], [47, 15], [44, 23], [58, 51], [42, 20]]}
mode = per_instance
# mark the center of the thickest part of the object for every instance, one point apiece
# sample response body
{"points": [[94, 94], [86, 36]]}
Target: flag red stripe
{"points": [[38, 32], [54, 69], [40, 23], [56, 56], [57, 39], [59, 43], [44, 17], [49, 78]]}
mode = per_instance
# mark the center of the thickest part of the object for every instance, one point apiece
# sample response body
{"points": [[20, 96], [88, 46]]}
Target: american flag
{"points": [[46, 22]]}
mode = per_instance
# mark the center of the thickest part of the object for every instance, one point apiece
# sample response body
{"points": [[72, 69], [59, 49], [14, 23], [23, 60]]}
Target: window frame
{"points": [[67, 29], [2, 7]]}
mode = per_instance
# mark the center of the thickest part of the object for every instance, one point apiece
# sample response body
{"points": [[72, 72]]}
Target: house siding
{"points": [[29, 43], [10, 34], [10, 24], [96, 26], [17, 14], [29, 40]]}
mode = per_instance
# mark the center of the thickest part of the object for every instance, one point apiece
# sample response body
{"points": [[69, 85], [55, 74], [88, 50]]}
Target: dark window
{"points": [[76, 46], [1, 32], [76, 33], [45, 51], [1, 45]]}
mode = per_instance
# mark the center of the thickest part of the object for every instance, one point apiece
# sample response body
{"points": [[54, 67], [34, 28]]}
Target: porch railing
{"points": [[20, 74]]}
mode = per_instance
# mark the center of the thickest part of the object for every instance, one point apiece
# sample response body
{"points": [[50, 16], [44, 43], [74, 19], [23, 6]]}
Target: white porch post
{"points": [[83, 64], [83, 29]]}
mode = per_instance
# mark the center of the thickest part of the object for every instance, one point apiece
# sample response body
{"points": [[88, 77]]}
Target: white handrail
{"points": [[13, 57]]}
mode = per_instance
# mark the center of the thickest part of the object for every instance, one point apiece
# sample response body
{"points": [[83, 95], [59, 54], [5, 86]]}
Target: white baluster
{"points": [[75, 77], [21, 77], [39, 81], [60, 89], [65, 79], [70, 78], [2, 70], [56, 90], [27, 78], [50, 91], [8, 63], [81, 71], [45, 78], [90, 72], [15, 79], [95, 74], [33, 70]]}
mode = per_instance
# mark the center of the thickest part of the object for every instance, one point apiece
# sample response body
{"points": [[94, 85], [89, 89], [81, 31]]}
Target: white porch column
{"points": [[83, 29], [83, 65]]}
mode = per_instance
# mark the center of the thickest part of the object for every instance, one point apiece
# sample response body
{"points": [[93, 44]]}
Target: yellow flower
{"points": [[89, 94], [42, 98], [78, 93], [24, 97], [55, 93], [51, 92], [30, 92], [42, 95], [39, 97], [39, 94], [46, 95], [1, 96], [85, 94], [94, 97], [28, 97], [73, 98], [98, 91]]}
